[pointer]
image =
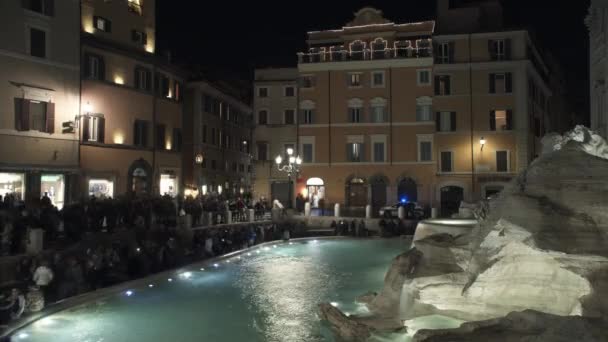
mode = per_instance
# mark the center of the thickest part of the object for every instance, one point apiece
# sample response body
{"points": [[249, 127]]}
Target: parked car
{"points": [[412, 210]]}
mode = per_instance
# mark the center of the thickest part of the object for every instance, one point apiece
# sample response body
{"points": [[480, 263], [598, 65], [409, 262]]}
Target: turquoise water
{"points": [[265, 294]]}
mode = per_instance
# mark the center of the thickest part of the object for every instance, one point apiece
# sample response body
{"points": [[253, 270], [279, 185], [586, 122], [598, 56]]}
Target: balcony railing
{"points": [[422, 49]]}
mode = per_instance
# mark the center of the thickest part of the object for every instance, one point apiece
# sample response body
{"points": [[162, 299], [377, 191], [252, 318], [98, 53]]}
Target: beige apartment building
{"points": [[130, 123], [275, 108], [434, 112], [217, 140], [39, 73]]}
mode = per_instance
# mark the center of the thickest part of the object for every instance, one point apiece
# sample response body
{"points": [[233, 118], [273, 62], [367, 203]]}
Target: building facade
{"points": [[130, 125], [598, 53], [414, 112], [39, 73], [217, 141], [275, 108]]}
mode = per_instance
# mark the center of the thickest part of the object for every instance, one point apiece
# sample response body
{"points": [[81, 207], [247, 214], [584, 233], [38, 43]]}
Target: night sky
{"points": [[228, 39]]}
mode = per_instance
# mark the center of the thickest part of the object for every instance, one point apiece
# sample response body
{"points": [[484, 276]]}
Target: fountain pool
{"points": [[269, 293]]}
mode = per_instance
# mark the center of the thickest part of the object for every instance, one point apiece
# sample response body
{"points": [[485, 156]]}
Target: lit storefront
{"points": [[53, 186], [101, 188], [315, 191], [168, 185], [12, 183]]}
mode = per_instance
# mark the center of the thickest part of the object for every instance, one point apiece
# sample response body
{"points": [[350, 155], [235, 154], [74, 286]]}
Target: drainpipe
{"points": [[80, 181], [329, 114], [154, 137], [471, 117]]}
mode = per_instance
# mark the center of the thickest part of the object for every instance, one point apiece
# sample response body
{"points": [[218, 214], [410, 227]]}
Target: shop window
{"points": [[168, 185], [53, 187], [101, 188], [12, 184]]}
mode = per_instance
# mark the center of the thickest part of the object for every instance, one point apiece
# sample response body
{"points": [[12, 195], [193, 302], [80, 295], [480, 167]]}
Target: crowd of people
{"points": [[48, 279]]}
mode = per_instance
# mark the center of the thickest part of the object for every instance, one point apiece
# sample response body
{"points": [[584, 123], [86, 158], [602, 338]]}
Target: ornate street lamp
{"points": [[289, 164]]}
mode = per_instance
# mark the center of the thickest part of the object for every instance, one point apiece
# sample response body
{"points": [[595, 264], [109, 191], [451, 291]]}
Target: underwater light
{"points": [[23, 336], [248, 254], [170, 279], [291, 243], [186, 275], [202, 269], [129, 293], [150, 285], [216, 265]]}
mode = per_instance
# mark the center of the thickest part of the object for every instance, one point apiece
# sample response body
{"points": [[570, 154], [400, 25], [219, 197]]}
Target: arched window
{"points": [[355, 110], [403, 49], [407, 191], [378, 110], [357, 50], [379, 46], [356, 192]]}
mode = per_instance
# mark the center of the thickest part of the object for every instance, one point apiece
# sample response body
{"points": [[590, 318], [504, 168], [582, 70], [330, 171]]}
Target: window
{"points": [[501, 120], [262, 151], [379, 152], [290, 91], [139, 37], [378, 113], [101, 188], [424, 77], [241, 167], [263, 117], [502, 161], [40, 6], [37, 43], [176, 143], [34, 115], [160, 137], [354, 152], [354, 80], [102, 24], [262, 92], [307, 82], [307, 116], [501, 83], [289, 117], [93, 129], [307, 153], [445, 53], [500, 49], [140, 133], [378, 79], [447, 161], [213, 137], [446, 121], [425, 151], [37, 116], [204, 134], [213, 164], [442, 85], [424, 109], [94, 67], [234, 166], [354, 114], [143, 79], [162, 86], [52, 186]]}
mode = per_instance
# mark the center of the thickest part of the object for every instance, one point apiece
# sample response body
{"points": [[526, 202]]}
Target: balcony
{"points": [[402, 50]]}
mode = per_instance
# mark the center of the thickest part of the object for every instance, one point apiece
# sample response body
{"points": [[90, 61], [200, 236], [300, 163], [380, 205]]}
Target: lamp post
{"points": [[482, 142], [289, 164]]}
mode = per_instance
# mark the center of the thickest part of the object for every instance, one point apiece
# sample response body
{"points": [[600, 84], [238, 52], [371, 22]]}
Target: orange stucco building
{"points": [[418, 111]]}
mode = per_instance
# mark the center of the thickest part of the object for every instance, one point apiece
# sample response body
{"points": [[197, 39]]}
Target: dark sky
{"points": [[233, 37]]}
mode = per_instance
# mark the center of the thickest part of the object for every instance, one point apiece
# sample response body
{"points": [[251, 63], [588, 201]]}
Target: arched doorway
{"points": [[140, 177], [407, 190], [356, 192], [315, 191], [378, 185], [451, 196]]}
